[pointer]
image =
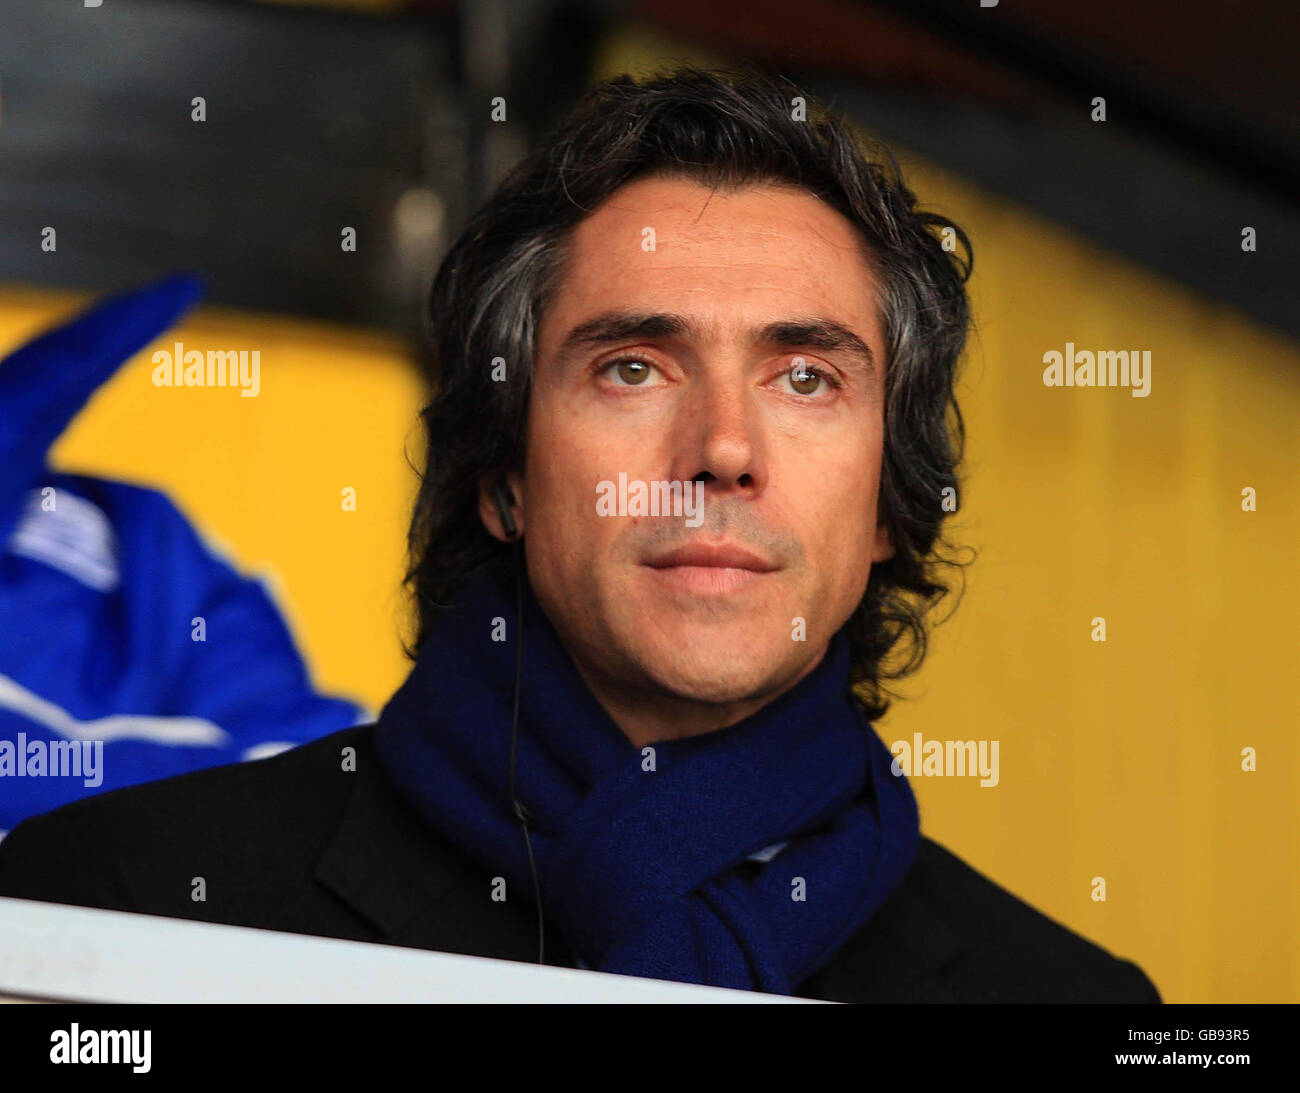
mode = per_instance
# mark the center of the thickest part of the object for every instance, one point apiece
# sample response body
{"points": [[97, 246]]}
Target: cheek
{"points": [[562, 471], [840, 512], [847, 487]]}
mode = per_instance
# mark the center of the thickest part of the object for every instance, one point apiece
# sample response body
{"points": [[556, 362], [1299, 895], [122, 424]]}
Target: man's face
{"points": [[715, 338]]}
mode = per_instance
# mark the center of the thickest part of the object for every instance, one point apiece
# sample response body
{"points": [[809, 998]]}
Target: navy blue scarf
{"points": [[639, 867]]}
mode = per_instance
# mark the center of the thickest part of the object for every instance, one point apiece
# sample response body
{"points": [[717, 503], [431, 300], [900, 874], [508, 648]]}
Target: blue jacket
{"points": [[129, 651]]}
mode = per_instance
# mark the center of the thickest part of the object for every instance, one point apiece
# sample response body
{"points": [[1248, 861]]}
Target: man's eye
{"points": [[806, 381], [628, 371]]}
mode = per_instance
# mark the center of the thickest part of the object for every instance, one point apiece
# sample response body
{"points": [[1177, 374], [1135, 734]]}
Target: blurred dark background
{"points": [[376, 116]]}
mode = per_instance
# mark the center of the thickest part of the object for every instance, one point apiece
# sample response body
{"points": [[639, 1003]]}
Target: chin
{"points": [[710, 667]]}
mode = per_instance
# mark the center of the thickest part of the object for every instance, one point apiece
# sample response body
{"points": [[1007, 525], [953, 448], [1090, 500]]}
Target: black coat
{"points": [[298, 843]]}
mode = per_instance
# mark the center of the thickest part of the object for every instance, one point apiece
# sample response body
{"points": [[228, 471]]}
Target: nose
{"points": [[720, 440]]}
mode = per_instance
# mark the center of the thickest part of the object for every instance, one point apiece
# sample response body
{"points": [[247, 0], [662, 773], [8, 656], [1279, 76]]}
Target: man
{"points": [[686, 463]]}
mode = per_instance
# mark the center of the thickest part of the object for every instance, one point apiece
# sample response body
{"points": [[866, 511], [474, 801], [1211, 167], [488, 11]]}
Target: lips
{"points": [[711, 556]]}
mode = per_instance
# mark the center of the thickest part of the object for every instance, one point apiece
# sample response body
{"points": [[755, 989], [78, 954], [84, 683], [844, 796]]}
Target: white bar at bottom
{"points": [[58, 952]]}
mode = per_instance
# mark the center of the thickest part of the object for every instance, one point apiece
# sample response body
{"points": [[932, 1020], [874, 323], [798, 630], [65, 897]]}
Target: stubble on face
{"points": [[791, 478]]}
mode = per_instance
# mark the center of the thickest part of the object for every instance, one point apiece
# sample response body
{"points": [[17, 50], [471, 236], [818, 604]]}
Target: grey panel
{"points": [[315, 121]]}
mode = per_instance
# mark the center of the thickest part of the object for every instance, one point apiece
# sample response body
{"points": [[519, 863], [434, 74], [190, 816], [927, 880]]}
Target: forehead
{"points": [[729, 258]]}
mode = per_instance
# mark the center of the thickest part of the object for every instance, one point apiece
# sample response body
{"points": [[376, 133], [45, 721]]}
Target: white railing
{"points": [[50, 951]]}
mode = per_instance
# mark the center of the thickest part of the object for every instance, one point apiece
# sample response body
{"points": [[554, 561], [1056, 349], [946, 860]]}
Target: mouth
{"points": [[710, 569]]}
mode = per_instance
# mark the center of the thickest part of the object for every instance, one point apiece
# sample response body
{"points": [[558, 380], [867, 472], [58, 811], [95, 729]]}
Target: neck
{"points": [[648, 716]]}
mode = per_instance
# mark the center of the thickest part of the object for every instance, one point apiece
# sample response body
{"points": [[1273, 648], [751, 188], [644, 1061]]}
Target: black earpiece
{"points": [[505, 502]]}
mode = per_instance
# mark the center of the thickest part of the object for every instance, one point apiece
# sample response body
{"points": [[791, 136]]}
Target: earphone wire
{"points": [[520, 812]]}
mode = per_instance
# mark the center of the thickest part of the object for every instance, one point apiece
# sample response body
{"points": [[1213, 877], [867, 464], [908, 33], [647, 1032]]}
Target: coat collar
{"points": [[414, 888], [381, 862], [901, 952]]}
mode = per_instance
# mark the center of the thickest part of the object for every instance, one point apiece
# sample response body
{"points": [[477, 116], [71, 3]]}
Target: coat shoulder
{"points": [[980, 943], [210, 823]]}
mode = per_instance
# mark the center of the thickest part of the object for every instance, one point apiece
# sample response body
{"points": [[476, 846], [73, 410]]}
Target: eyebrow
{"points": [[824, 335]]}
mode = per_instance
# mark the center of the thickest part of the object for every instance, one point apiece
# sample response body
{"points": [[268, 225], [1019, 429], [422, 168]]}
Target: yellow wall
{"points": [[1123, 759], [1119, 760]]}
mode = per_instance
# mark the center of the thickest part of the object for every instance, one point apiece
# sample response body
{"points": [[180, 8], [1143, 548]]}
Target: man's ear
{"points": [[883, 549], [487, 503]]}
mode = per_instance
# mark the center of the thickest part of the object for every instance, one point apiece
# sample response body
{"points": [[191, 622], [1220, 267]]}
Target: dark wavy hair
{"points": [[723, 128]]}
